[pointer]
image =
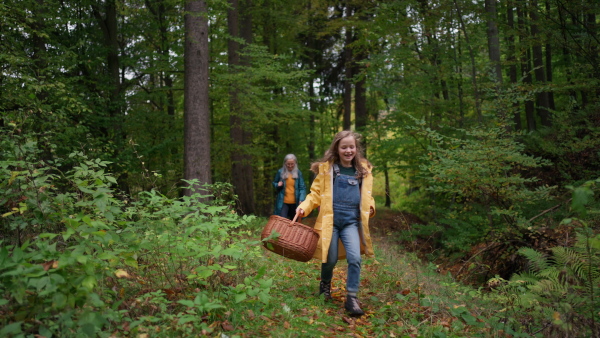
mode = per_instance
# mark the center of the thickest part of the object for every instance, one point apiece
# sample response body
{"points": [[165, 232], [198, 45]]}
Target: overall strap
{"points": [[336, 169]]}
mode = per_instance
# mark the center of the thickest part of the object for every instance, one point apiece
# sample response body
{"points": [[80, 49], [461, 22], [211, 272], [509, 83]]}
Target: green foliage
{"points": [[482, 173], [75, 259], [561, 284], [571, 144]]}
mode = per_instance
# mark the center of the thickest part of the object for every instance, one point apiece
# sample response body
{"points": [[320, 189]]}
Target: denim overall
{"points": [[346, 218]]}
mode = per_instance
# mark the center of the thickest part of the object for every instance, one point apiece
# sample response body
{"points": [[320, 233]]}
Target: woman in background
{"points": [[290, 188]]}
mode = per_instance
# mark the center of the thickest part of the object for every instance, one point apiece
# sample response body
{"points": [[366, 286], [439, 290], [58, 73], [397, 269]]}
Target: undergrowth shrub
{"points": [[477, 179], [571, 144], [77, 261], [560, 290]]}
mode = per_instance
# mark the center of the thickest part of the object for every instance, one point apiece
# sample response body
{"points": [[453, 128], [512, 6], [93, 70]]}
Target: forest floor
{"points": [[388, 226], [402, 295]]}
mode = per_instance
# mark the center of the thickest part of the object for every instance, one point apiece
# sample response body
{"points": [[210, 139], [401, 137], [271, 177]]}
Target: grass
{"points": [[402, 297]]}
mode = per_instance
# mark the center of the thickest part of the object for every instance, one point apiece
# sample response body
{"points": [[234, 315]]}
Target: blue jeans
{"points": [[346, 201]]}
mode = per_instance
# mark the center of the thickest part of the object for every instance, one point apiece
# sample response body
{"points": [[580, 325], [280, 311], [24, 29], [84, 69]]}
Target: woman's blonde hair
{"points": [[332, 156]]}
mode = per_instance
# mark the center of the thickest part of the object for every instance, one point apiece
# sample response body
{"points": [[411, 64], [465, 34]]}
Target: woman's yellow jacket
{"points": [[321, 194]]}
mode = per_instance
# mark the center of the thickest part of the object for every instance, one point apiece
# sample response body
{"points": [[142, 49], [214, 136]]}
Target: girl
{"points": [[342, 189], [290, 187]]}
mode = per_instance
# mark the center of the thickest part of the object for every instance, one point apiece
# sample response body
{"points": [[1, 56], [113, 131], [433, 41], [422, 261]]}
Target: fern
{"points": [[562, 282], [537, 259]]}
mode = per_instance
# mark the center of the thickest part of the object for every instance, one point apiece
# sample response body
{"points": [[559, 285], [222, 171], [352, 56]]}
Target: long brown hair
{"points": [[332, 155]]}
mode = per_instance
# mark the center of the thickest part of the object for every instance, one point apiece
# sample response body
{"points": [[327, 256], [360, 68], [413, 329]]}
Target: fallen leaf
{"points": [[50, 264], [556, 316], [120, 273], [286, 325], [227, 326], [348, 320]]}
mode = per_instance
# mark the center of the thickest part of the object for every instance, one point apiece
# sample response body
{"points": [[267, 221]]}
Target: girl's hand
{"points": [[280, 184], [299, 212]]}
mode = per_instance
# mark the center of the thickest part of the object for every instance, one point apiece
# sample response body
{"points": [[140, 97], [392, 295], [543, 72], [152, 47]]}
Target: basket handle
{"points": [[294, 220]]}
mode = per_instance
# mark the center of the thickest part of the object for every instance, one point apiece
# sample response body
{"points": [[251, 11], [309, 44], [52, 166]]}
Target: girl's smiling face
{"points": [[347, 150]]}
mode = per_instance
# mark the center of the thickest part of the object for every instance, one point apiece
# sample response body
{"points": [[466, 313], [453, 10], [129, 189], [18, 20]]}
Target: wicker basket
{"points": [[296, 240]]}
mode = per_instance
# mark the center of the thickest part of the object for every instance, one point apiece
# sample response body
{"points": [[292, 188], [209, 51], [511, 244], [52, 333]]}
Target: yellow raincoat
{"points": [[321, 194]]}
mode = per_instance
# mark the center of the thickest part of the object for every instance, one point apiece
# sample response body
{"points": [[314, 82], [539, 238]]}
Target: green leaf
{"points": [[240, 297], [88, 329], [582, 196], [87, 220], [187, 319], [89, 282], [186, 302], [12, 328], [131, 262], [59, 300], [47, 235]]}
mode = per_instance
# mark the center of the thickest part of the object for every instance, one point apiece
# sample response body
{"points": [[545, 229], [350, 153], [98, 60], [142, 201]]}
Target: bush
{"points": [[78, 261]]}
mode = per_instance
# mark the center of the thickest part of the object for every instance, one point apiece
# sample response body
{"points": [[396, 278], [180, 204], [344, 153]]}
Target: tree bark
{"points": [[473, 66], [242, 174], [512, 60], [525, 65], [108, 25], [543, 104], [196, 102], [549, 68], [348, 67], [493, 38]]}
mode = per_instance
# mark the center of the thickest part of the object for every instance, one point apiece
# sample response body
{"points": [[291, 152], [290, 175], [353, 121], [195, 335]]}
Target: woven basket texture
{"points": [[296, 240]]}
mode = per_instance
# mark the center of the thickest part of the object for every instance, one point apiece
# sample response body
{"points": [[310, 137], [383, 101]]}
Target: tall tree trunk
{"points": [[512, 59], [360, 105], [388, 199], [39, 45], [473, 66], [594, 49], [525, 65], [109, 26], [196, 103], [549, 68], [543, 104], [348, 67], [493, 38], [360, 90], [242, 174], [566, 53]]}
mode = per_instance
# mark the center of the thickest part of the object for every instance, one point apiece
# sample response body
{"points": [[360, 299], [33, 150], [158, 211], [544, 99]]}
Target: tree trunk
{"points": [[493, 38], [549, 76], [473, 65], [525, 66], [388, 200], [360, 105], [543, 104], [109, 26], [566, 53], [242, 174], [512, 60], [196, 104], [348, 67]]}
